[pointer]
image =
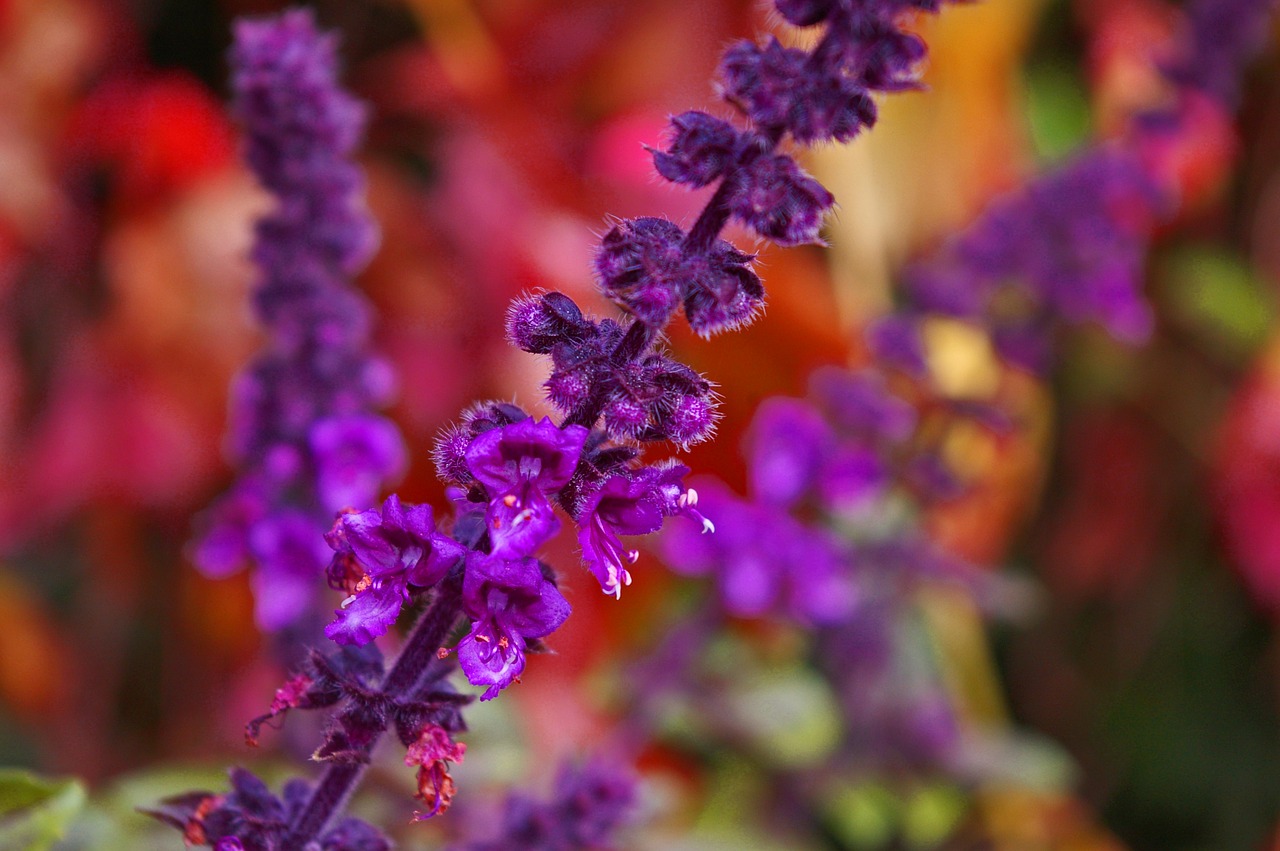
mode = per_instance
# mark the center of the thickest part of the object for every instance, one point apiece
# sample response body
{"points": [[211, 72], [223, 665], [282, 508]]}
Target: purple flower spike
{"points": [[778, 200], [702, 149], [383, 552], [765, 561], [510, 601], [301, 126], [353, 455], [643, 265], [782, 88], [520, 465], [302, 429]]}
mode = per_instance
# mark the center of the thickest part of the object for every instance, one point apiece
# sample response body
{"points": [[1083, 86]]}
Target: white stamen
{"points": [[707, 526], [348, 601]]}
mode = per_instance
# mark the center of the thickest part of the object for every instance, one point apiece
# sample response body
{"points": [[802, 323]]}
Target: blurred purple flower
{"points": [[588, 804]]}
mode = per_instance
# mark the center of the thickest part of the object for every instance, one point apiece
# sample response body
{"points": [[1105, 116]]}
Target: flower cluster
{"points": [[1222, 37], [816, 542], [1069, 248], [302, 429], [828, 540]]}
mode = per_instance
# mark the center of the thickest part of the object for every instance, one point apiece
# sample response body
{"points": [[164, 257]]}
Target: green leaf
{"points": [[1219, 297], [1057, 110], [35, 812], [863, 816], [931, 814]]}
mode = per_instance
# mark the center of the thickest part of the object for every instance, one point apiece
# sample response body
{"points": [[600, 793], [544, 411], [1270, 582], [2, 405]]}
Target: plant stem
{"points": [[340, 779]]}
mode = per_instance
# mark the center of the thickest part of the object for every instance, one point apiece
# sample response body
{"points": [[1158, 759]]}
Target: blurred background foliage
{"points": [[1139, 499]]}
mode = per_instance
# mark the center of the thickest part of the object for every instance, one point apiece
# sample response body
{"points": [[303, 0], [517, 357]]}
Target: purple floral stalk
{"points": [[302, 429], [615, 386]]}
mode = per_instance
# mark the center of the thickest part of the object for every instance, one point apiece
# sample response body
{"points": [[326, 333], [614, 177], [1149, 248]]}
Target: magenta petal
{"points": [[528, 451], [519, 522], [486, 663], [369, 615]]}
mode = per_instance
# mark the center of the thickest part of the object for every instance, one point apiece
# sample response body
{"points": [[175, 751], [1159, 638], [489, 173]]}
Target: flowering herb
{"points": [[614, 384]]}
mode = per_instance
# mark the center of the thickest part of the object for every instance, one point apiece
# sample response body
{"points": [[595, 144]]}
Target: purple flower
{"points": [[786, 449], [775, 197], [353, 455], [290, 556], [645, 265], [450, 451], [388, 550], [853, 477], [509, 601], [519, 465], [765, 562], [222, 548]]}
